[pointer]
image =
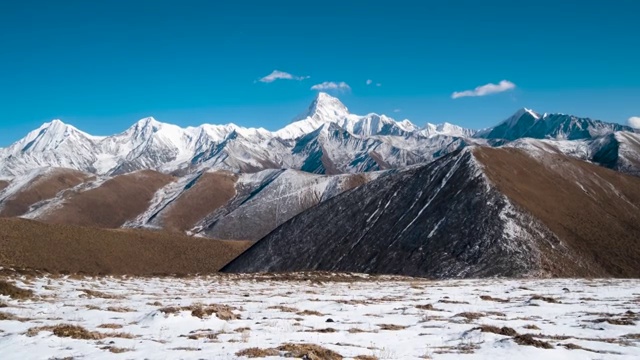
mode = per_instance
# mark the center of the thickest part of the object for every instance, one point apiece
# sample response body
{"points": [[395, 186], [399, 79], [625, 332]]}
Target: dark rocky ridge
{"points": [[448, 219], [436, 220]]}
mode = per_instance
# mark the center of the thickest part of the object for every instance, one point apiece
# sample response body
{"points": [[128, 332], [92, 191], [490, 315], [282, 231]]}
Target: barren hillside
{"points": [[64, 248]]}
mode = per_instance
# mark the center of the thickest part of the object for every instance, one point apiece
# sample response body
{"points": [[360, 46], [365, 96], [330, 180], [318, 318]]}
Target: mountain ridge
{"points": [[326, 138]]}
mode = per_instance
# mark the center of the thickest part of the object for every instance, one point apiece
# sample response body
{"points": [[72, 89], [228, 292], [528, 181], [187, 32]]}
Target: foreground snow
{"points": [[388, 318]]}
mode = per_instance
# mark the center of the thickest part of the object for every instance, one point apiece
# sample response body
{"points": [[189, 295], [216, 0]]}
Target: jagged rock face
{"points": [[437, 220]]}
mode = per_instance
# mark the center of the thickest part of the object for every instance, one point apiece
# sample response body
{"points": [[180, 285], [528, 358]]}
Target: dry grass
{"points": [[3, 184], [186, 348], [425, 307], [506, 331], [43, 187], [14, 292], [356, 331], [93, 251], [546, 299], [490, 298], [309, 351], [210, 192], [528, 340], [392, 327], [119, 309], [325, 330], [170, 310], [223, 312], [552, 188], [110, 326], [612, 321], [470, 316], [365, 357], [11, 317], [255, 352], [531, 327], [283, 308], [309, 313], [447, 301], [76, 332], [111, 204]]}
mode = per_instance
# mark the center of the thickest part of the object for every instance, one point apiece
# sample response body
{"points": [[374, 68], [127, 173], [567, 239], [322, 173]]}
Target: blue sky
{"points": [[101, 65]]}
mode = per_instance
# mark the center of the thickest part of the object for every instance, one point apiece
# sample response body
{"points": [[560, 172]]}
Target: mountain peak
{"points": [[325, 108], [524, 111], [148, 121]]}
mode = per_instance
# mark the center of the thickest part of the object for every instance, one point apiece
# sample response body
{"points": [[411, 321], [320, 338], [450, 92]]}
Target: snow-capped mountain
{"points": [[526, 123], [325, 139], [326, 132]]}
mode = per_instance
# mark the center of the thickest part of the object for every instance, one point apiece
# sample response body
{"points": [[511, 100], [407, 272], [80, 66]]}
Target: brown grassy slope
{"points": [[63, 248], [600, 223], [355, 180], [113, 203], [3, 184], [210, 192], [43, 187]]}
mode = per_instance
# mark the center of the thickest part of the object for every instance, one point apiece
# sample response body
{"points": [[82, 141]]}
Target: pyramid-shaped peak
{"points": [[325, 108], [148, 121]]}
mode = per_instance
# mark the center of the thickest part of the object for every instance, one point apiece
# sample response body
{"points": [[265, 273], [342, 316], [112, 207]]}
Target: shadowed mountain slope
{"points": [[449, 219]]}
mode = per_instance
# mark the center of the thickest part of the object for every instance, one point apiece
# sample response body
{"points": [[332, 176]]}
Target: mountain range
{"points": [[537, 194]]}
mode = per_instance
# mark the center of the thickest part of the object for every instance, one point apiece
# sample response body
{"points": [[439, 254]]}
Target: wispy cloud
{"points": [[487, 89], [396, 110], [281, 75], [369, 82], [634, 122], [330, 85]]}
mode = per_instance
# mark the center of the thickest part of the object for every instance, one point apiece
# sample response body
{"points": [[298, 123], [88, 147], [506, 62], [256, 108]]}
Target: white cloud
{"points": [[396, 110], [330, 85], [487, 89], [634, 122], [277, 75], [369, 82]]}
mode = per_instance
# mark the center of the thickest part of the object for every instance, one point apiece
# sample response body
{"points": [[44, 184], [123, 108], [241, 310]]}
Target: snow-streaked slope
{"points": [[438, 220], [474, 213], [276, 199], [526, 123], [619, 150]]}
